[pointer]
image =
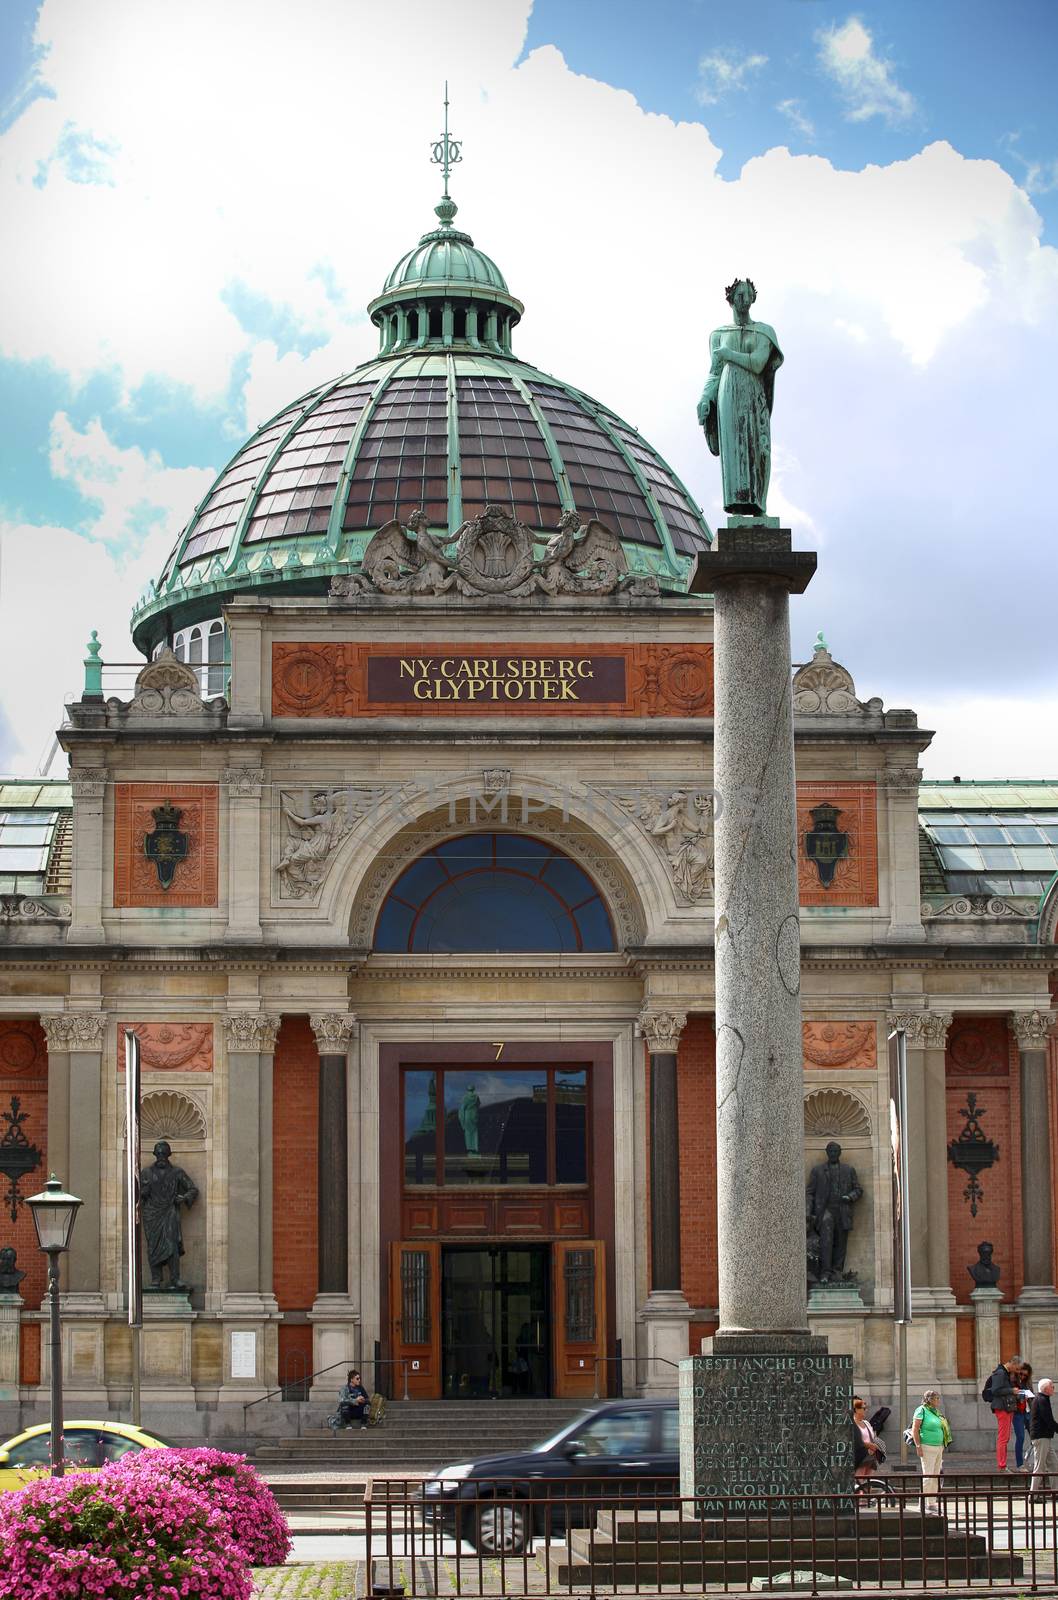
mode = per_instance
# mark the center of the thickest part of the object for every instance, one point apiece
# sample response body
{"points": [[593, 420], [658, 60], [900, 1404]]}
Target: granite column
{"points": [[666, 1313]]}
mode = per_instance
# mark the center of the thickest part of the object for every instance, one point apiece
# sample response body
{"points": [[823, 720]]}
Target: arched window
{"points": [[493, 892]]}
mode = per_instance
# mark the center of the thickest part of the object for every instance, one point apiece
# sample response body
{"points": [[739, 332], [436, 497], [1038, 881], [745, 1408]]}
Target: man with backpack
{"points": [[1000, 1392]]}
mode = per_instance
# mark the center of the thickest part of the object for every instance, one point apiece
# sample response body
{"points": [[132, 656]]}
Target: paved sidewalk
{"points": [[317, 1580]]}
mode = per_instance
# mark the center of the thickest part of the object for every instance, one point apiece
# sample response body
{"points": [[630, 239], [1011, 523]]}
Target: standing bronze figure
{"points": [[163, 1190], [832, 1191], [736, 404]]}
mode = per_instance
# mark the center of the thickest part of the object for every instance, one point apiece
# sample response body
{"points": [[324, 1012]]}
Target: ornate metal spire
{"points": [[447, 152]]}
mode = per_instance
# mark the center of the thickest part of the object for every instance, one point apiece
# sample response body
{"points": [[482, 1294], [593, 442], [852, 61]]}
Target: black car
{"points": [[617, 1451]]}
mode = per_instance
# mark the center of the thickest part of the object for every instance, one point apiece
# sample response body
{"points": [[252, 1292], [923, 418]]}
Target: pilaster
{"points": [[1038, 1302], [89, 796], [243, 787], [246, 696], [900, 786], [249, 1308], [926, 1033]]}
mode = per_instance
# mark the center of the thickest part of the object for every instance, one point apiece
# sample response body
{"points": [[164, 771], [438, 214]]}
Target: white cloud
{"points": [[724, 72], [1040, 176], [798, 119], [78, 581], [915, 301], [864, 79]]}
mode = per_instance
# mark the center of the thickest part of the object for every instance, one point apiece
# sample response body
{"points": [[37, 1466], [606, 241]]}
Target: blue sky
{"points": [[203, 200]]}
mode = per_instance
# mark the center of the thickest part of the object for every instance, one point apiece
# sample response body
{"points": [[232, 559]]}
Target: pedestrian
{"points": [[353, 1402], [1023, 1398], [868, 1453], [999, 1393], [1041, 1433], [930, 1433]]}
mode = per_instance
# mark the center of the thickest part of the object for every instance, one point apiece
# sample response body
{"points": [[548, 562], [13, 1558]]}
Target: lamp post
{"points": [[54, 1213]]}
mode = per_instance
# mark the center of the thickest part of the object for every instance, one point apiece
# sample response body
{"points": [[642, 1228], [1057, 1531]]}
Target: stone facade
{"points": [[265, 1014]]}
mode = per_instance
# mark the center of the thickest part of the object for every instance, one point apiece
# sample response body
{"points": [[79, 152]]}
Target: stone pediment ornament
{"points": [[493, 556], [824, 688], [992, 907], [166, 687], [833, 1111], [25, 908], [168, 1115]]}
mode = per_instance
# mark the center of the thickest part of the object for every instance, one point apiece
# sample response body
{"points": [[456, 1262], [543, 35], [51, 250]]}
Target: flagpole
{"points": [[134, 1285]]}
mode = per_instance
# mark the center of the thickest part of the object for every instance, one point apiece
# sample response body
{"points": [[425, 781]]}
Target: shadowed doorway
{"points": [[495, 1313]]}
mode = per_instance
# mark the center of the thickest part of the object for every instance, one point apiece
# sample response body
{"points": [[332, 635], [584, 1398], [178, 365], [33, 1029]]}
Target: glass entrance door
{"points": [[495, 1322]]}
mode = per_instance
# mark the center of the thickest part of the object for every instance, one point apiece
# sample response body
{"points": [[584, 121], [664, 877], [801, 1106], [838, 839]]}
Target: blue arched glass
{"points": [[493, 892]]}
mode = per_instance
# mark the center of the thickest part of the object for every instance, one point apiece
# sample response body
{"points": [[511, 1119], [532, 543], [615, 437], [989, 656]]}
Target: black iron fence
{"points": [[601, 1535]]}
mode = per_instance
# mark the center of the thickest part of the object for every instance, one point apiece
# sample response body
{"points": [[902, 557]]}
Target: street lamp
{"points": [[54, 1213]]}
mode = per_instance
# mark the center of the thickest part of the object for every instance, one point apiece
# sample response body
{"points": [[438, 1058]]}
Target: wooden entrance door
{"points": [[579, 1299], [415, 1318]]}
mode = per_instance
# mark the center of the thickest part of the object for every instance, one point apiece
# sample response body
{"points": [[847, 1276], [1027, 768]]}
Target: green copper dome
{"points": [[445, 256], [446, 419]]}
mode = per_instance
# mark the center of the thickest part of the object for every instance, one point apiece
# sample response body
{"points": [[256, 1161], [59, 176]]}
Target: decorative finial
{"points": [[93, 667], [821, 643], [446, 153]]}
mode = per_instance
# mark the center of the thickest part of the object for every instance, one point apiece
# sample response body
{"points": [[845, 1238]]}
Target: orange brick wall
{"points": [[24, 1077], [982, 1057], [295, 1352], [966, 1348], [697, 1092], [29, 1351], [294, 1141]]}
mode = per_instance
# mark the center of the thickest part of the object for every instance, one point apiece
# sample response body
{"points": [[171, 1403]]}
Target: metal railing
{"points": [[518, 1537]]}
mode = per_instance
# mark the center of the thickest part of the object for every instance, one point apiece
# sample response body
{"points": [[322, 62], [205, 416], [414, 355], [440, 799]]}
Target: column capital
{"points": [[244, 783], [333, 1030], [88, 783], [900, 778], [74, 1030], [253, 1032], [662, 1029], [1032, 1028], [926, 1030]]}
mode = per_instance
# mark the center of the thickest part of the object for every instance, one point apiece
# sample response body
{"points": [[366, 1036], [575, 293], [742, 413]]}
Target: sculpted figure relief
{"points": [[736, 404], [313, 838]]}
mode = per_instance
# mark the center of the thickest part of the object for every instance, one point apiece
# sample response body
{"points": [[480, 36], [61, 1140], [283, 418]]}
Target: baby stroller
{"points": [[372, 1416]]}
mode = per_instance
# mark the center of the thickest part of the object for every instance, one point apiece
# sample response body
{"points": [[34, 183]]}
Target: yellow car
{"points": [[85, 1445]]}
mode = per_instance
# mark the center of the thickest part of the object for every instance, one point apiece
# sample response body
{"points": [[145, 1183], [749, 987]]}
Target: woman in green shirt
{"points": [[930, 1434]]}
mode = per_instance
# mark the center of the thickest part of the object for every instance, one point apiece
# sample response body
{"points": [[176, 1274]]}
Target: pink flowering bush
{"points": [[232, 1488], [117, 1535]]}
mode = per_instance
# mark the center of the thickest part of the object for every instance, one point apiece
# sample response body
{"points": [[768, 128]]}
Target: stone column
{"points": [[243, 786], [931, 1349], [333, 1315], [899, 786], [763, 1361], [1037, 1302], [75, 1064], [666, 1313], [248, 1307], [89, 794]]}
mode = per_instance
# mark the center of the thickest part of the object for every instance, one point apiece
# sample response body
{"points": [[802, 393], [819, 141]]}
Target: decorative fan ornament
{"points": [[167, 1115], [830, 1111]]}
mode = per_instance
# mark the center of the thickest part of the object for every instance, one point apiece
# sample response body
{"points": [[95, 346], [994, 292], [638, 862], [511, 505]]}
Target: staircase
{"points": [[664, 1548], [421, 1436]]}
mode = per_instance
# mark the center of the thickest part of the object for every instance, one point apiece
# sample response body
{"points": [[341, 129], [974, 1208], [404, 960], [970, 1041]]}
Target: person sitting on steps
{"points": [[353, 1403]]}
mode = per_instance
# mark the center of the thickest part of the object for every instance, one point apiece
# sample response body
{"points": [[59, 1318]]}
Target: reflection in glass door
{"points": [[495, 1334]]}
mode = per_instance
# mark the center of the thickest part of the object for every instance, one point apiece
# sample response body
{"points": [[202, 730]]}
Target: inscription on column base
{"points": [[762, 1428]]}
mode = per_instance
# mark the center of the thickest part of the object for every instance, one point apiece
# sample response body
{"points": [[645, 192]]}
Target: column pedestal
{"points": [[986, 1304], [10, 1310]]}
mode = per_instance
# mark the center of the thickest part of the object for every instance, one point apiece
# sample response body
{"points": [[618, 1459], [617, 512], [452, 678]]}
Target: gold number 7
{"points": [[499, 1050]]}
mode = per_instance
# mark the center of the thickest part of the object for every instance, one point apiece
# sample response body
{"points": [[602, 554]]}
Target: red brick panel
{"points": [[29, 1351], [981, 1058], [135, 876], [24, 1079], [855, 882], [295, 1111], [966, 1348], [295, 1353], [697, 1107]]}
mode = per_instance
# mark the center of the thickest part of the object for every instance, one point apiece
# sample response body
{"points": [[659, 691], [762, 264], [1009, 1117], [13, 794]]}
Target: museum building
{"points": [[396, 853]]}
